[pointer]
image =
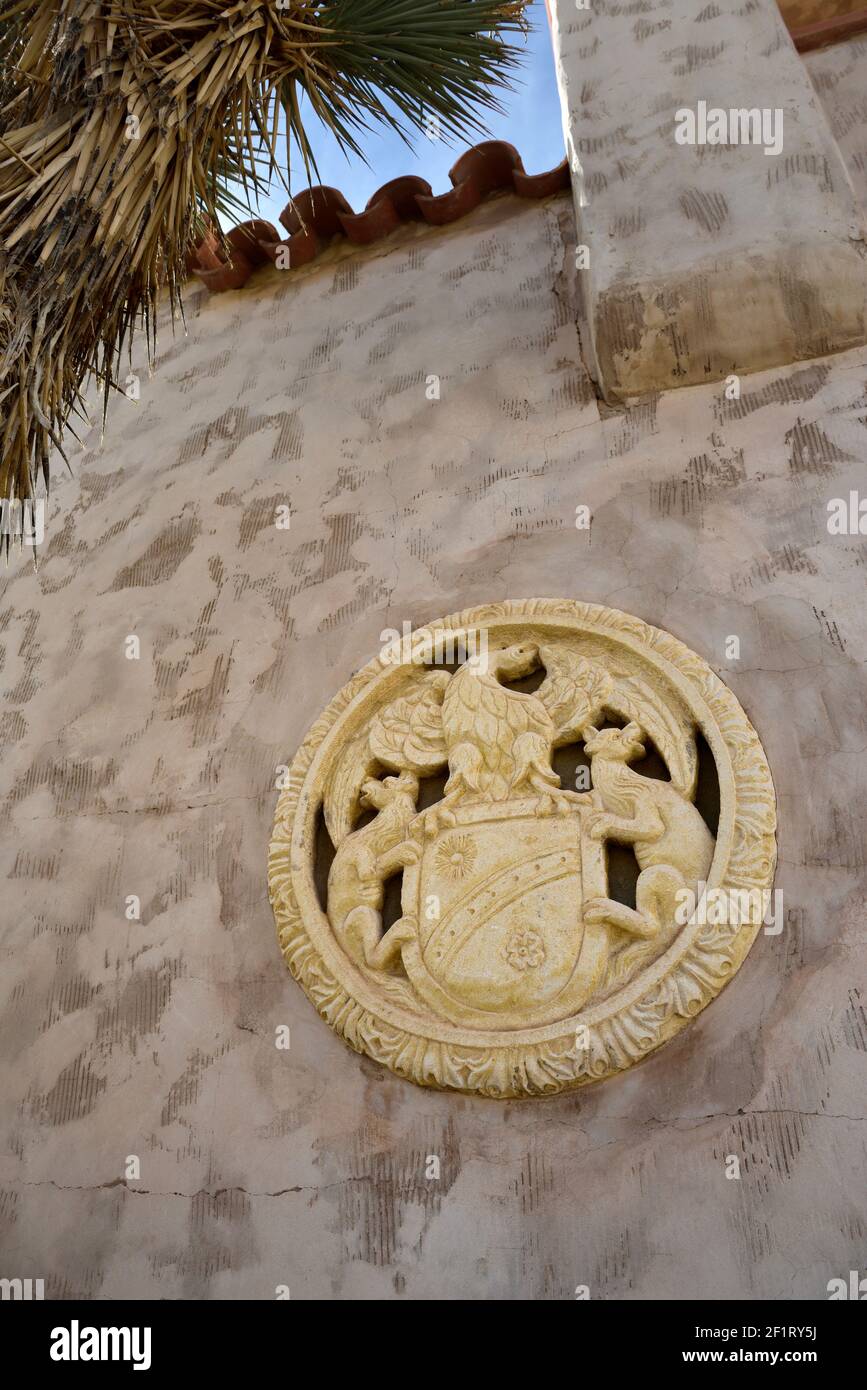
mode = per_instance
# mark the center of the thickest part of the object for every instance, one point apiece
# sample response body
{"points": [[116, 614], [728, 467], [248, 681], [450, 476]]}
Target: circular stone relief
{"points": [[517, 965]]}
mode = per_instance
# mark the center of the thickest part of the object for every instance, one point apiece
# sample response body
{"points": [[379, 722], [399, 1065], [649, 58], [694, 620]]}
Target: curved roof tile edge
{"points": [[316, 215]]}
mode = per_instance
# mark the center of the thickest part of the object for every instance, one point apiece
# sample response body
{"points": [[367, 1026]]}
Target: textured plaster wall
{"points": [[703, 258], [155, 777], [839, 75]]}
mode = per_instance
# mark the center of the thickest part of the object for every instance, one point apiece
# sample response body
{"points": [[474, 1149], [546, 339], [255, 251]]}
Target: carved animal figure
{"points": [[672, 844], [364, 860], [499, 740], [497, 743]]}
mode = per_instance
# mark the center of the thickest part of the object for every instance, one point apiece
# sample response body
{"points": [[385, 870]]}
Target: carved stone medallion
{"points": [[515, 967]]}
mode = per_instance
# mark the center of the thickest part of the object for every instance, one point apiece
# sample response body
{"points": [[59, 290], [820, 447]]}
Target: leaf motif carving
{"points": [[406, 735]]}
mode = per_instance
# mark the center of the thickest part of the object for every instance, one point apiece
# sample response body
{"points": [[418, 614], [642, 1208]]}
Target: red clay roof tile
{"points": [[317, 215]]}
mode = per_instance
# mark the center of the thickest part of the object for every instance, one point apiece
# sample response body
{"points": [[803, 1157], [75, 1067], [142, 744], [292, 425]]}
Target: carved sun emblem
{"points": [[455, 856], [515, 935]]}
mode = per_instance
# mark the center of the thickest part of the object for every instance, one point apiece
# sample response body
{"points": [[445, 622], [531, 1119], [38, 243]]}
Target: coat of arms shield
{"points": [[498, 898]]}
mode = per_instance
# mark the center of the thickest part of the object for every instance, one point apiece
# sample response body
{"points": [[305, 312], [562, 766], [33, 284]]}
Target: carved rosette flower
{"points": [[525, 949]]}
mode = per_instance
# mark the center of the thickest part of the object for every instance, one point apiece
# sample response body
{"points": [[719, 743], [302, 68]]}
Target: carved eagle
{"points": [[442, 718]]}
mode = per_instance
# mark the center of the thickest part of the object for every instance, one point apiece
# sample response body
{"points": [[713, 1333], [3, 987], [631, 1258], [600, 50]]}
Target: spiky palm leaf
{"points": [[124, 126]]}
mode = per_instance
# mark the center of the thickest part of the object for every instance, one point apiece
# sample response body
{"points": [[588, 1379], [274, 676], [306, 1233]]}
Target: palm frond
{"points": [[125, 128]]}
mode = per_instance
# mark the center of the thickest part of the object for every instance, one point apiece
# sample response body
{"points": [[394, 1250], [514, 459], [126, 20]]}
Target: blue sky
{"points": [[531, 122]]}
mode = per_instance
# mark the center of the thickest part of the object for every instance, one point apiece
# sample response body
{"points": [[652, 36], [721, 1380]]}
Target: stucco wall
{"points": [[704, 256], [839, 75], [155, 777]]}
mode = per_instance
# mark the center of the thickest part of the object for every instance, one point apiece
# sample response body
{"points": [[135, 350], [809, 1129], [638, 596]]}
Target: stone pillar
{"points": [[713, 257]]}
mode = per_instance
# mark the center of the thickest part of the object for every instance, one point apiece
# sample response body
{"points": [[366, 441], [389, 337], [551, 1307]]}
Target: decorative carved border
{"points": [[632, 1023]]}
